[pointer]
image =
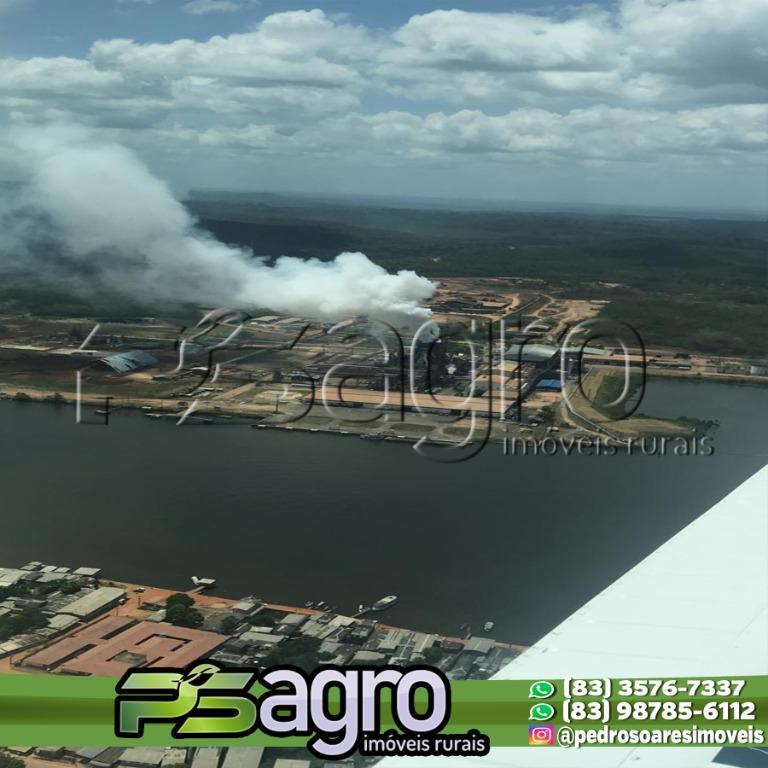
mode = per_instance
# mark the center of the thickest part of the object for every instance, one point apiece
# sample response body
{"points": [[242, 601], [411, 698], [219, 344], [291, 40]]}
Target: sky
{"points": [[634, 103]]}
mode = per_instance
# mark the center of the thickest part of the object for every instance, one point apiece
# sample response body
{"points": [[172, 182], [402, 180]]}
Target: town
{"points": [[73, 621]]}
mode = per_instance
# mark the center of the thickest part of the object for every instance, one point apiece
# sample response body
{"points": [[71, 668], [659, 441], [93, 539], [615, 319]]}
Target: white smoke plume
{"points": [[111, 217]]}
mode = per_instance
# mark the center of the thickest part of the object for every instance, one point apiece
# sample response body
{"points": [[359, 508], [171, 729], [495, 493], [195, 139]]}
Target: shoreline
{"points": [[221, 414], [138, 595]]}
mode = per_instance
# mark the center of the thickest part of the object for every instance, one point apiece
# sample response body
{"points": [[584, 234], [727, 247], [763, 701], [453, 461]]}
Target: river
{"points": [[523, 541]]}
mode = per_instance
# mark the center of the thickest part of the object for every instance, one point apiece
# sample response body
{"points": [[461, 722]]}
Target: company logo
{"points": [[211, 701], [542, 712], [541, 735], [542, 689], [204, 701]]}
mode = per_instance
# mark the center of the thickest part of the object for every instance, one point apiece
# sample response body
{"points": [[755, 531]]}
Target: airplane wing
{"points": [[696, 607]]}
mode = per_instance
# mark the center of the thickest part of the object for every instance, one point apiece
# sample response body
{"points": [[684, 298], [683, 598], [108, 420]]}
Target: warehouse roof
{"points": [[128, 362], [61, 621], [532, 352], [11, 576], [423, 400], [97, 600], [261, 637], [206, 757], [479, 644], [143, 756], [84, 571], [116, 643], [243, 757]]}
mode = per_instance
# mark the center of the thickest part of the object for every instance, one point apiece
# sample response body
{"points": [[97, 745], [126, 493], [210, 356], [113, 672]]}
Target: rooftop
{"points": [[116, 644], [98, 599], [128, 362], [243, 757], [382, 399]]}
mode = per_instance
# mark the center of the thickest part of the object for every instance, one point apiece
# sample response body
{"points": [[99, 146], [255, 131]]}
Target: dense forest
{"points": [[689, 282], [723, 258]]}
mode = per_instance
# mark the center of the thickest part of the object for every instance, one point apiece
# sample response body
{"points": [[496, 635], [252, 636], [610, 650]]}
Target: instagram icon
{"points": [[541, 735]]}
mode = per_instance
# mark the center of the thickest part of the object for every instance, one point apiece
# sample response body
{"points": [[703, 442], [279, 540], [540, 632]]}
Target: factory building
{"points": [[550, 385], [127, 362], [539, 354], [414, 401]]}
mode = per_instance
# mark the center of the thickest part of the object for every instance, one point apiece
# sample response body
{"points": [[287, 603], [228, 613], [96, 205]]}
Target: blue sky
{"points": [[53, 27], [637, 102]]}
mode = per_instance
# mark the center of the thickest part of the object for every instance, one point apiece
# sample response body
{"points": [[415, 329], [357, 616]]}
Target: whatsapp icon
{"points": [[542, 712], [542, 689]]}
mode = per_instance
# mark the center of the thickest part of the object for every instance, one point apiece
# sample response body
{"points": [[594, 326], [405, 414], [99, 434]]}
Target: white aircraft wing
{"points": [[696, 607]]}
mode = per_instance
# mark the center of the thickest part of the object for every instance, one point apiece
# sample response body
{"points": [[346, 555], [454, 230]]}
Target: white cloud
{"points": [[505, 41], [300, 47], [528, 134], [640, 81], [289, 66], [597, 132], [641, 51], [201, 7]]}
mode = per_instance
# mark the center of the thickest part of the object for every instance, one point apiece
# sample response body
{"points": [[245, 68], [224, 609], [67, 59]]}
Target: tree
{"points": [[70, 586], [184, 616], [9, 761], [180, 598], [547, 413], [229, 624], [180, 610], [432, 655], [27, 620], [302, 652]]}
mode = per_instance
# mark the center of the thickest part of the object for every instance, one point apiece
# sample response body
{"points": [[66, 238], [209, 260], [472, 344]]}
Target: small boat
{"points": [[488, 626], [203, 583], [372, 436], [384, 603]]}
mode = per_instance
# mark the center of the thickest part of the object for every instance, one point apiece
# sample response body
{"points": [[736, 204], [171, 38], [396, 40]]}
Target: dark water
{"points": [[297, 516]]}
